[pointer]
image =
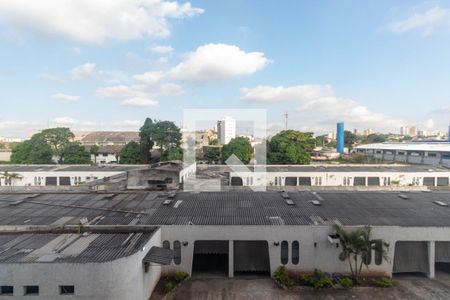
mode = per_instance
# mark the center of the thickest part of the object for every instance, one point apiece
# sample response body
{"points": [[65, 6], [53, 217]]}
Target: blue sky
{"points": [[95, 65]]}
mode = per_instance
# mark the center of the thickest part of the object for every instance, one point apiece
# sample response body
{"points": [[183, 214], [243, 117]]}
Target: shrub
{"points": [[318, 280], [281, 275], [181, 276], [346, 282], [168, 286], [383, 282]]}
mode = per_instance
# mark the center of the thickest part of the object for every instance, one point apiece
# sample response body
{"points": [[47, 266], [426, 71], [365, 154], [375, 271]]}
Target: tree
{"points": [[57, 139], [375, 138], [290, 147], [32, 151], [212, 155], [146, 133], [240, 147], [349, 139], [172, 154], [357, 246], [130, 154], [167, 135], [9, 177], [214, 142], [94, 151], [2, 146], [75, 153]]}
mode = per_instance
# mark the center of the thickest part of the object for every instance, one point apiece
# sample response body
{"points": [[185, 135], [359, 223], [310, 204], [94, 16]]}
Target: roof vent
{"points": [[403, 196], [178, 203], [440, 203], [167, 202], [316, 202], [285, 195], [171, 195], [289, 202]]}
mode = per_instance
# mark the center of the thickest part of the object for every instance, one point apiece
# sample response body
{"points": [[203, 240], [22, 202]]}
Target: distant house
{"points": [[107, 138]]}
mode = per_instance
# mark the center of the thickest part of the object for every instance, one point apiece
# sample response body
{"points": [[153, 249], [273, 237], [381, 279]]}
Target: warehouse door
{"points": [[411, 257], [442, 257], [251, 258], [210, 257]]}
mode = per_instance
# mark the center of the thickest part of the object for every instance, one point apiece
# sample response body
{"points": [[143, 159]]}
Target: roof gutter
{"points": [[43, 229]]}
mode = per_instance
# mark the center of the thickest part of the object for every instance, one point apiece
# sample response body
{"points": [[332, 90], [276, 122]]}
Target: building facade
{"points": [[226, 130]]}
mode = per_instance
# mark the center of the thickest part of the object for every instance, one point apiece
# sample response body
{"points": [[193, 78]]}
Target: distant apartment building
{"points": [[226, 130], [4, 139]]}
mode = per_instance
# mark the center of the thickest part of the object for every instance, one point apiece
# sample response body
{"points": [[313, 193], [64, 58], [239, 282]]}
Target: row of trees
{"points": [[165, 134], [49, 144], [287, 147]]}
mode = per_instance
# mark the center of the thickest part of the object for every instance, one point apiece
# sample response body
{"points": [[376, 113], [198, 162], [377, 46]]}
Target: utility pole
{"points": [[286, 115]]}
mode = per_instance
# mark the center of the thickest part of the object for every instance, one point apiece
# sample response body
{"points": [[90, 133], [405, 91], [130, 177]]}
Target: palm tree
{"points": [[94, 151], [9, 176], [357, 246]]}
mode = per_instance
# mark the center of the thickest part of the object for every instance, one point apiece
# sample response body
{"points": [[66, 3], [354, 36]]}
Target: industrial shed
{"points": [[234, 233]]}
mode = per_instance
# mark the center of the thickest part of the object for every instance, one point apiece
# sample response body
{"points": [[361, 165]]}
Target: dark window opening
{"points": [[166, 245], [284, 252], [304, 181], [66, 289], [295, 252], [359, 181], [177, 252], [428, 181], [64, 180], [169, 180], [291, 181], [50, 181], [442, 181], [31, 289], [374, 181], [236, 181], [6, 290]]}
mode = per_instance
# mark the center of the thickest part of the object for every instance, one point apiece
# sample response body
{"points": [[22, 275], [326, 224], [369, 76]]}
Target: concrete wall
{"points": [[5, 155], [28, 178], [316, 252], [337, 178], [116, 280]]}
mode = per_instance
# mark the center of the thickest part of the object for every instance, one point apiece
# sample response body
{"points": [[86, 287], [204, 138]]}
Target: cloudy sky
{"points": [[100, 64]]}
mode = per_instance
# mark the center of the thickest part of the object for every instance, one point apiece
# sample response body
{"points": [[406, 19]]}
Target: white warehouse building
{"points": [[125, 241], [427, 153], [330, 175]]}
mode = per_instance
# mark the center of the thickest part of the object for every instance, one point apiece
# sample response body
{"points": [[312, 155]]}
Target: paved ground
{"points": [[410, 288]]}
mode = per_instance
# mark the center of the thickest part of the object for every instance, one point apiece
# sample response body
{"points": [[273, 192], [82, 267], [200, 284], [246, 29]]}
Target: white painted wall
{"points": [[324, 256], [116, 280]]}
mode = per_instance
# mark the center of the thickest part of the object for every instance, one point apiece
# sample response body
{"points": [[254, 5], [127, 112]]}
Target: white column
{"points": [[230, 259], [431, 259]]}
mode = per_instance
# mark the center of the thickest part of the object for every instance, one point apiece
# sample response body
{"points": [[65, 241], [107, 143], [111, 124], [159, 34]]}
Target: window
{"points": [[304, 181], [166, 245], [291, 181], [177, 252], [284, 252], [373, 181], [66, 290], [6, 290], [378, 252], [359, 181], [401, 153], [432, 154], [50, 181], [276, 180], [367, 257], [442, 181], [31, 290], [428, 181], [64, 180], [295, 252]]}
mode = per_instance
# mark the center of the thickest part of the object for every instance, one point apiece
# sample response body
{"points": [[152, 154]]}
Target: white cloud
{"points": [[86, 70], [50, 77], [119, 91], [65, 121], [95, 21], [149, 77], [266, 93], [317, 104], [65, 98], [161, 49], [139, 102], [425, 22], [217, 62]]}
